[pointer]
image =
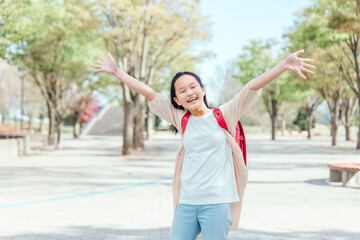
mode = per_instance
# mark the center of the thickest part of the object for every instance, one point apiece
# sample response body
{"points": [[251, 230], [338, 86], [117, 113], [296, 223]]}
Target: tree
{"points": [[257, 58], [309, 105], [347, 109], [302, 120], [344, 17], [312, 33], [287, 112], [46, 38], [145, 37], [330, 85], [9, 90], [334, 27]]}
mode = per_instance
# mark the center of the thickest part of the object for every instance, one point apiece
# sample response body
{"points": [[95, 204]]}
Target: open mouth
{"points": [[192, 100]]}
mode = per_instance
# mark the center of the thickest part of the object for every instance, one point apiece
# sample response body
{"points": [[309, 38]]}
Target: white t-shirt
{"points": [[207, 175]]}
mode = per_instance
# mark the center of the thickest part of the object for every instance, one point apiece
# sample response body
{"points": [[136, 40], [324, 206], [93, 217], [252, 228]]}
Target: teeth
{"points": [[191, 99]]}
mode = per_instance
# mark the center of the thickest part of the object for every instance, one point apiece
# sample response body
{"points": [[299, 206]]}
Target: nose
{"points": [[189, 92]]}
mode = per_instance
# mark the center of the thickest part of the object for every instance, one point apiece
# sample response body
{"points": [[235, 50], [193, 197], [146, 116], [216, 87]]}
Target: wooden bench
{"points": [[347, 173]]}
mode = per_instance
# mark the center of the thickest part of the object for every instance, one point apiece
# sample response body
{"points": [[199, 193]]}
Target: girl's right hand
{"points": [[106, 65]]}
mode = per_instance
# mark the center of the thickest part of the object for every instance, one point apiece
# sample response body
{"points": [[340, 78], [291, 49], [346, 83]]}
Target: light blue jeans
{"points": [[212, 220]]}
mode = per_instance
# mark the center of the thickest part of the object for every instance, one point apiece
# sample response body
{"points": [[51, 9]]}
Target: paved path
{"points": [[89, 191]]}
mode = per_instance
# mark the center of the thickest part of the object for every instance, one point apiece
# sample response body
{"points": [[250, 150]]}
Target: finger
{"points": [[299, 52], [300, 74], [99, 70], [98, 62], [306, 70], [96, 66], [101, 58], [109, 55], [309, 66], [308, 60]]}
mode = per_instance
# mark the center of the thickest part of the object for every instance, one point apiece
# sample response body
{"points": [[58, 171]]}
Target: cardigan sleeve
{"points": [[234, 109], [163, 108]]}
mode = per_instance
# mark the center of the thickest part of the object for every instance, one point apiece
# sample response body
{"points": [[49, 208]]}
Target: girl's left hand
{"points": [[296, 64]]}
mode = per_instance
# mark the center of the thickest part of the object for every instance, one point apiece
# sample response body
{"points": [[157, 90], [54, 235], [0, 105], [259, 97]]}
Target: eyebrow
{"points": [[189, 85]]}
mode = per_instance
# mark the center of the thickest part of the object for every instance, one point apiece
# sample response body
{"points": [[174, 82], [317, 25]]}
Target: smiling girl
{"points": [[210, 175]]}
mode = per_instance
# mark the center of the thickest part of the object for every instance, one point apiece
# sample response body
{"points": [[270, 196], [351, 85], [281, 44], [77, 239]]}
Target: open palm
{"points": [[296, 64], [105, 65]]}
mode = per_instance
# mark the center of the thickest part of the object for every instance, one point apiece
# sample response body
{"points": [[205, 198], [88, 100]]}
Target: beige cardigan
{"points": [[232, 112]]}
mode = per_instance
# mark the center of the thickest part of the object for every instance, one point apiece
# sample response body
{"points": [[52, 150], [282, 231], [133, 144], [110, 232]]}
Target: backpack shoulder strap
{"points": [[240, 139], [220, 119], [239, 135], [184, 121]]}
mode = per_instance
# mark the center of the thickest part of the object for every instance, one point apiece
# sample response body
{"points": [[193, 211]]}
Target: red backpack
{"points": [[239, 136]]}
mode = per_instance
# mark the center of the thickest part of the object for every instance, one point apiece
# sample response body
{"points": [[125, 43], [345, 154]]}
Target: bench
{"points": [[347, 173]]}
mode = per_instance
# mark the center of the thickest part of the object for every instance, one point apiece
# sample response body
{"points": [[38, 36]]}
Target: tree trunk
{"points": [[138, 140], [139, 122], [76, 124], [128, 122], [30, 122], [22, 104], [334, 136], [41, 122], [58, 123], [139, 101], [58, 131], [273, 127], [309, 110], [358, 140], [331, 129], [309, 123], [334, 123], [146, 124], [76, 129], [149, 124], [128, 129], [51, 125], [273, 118], [347, 132], [349, 114]]}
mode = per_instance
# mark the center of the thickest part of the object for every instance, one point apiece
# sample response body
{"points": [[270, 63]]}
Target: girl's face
{"points": [[189, 93]]}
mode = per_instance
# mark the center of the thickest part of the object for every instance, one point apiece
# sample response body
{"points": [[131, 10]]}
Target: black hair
{"points": [[173, 94]]}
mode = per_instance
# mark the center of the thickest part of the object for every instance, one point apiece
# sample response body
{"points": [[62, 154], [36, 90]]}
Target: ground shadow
{"points": [[90, 232]]}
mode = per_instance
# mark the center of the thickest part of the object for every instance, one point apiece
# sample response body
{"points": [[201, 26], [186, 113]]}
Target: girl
{"points": [[210, 175]]}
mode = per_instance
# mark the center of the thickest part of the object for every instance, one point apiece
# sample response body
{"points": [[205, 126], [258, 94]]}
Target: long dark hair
{"points": [[173, 94]]}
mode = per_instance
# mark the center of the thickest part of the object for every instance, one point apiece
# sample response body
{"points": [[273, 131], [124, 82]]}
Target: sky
{"points": [[234, 24]]}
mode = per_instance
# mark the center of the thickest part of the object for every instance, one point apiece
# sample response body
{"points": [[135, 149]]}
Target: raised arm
{"points": [[291, 63], [109, 66]]}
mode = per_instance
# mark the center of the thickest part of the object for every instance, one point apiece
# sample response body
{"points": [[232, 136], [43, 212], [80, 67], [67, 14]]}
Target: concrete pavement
{"points": [[89, 191]]}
